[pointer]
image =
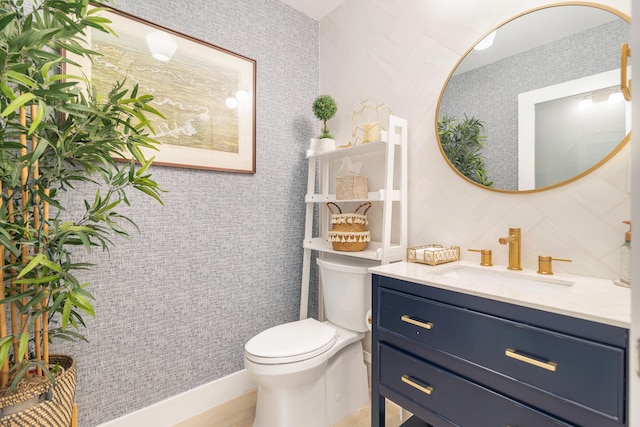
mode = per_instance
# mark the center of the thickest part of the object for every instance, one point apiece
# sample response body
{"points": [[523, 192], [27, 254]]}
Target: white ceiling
{"points": [[317, 9]]}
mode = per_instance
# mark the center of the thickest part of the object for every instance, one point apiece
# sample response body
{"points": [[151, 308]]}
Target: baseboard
{"points": [[186, 405]]}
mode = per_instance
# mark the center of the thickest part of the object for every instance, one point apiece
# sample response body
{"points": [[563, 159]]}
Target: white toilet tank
{"points": [[346, 288]]}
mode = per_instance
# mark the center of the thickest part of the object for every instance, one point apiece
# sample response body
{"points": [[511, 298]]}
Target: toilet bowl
{"points": [[312, 373]]}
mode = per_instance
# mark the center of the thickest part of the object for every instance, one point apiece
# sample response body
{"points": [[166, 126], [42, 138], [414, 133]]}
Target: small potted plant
{"points": [[324, 108]]}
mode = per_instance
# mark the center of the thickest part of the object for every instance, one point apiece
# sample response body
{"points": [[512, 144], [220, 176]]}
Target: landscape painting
{"points": [[207, 94]]}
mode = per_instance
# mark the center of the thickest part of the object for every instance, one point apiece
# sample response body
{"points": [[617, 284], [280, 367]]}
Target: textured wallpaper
{"points": [[222, 259]]}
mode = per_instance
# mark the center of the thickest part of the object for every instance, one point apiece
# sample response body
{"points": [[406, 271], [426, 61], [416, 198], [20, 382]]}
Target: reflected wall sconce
{"points": [[585, 103], [161, 45], [616, 97], [610, 95]]}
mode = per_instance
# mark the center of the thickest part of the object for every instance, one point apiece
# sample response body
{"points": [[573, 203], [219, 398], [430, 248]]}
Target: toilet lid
{"points": [[291, 342]]}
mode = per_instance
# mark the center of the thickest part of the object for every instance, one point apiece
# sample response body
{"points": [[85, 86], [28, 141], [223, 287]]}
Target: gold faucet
{"points": [[514, 248]]}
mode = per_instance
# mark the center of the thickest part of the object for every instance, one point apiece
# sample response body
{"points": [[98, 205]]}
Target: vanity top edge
{"points": [[587, 298]]}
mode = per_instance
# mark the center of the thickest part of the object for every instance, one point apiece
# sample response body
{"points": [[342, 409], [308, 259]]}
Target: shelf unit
{"points": [[393, 190]]}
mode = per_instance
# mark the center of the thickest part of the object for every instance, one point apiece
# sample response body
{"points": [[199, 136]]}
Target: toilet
{"points": [[312, 373]]}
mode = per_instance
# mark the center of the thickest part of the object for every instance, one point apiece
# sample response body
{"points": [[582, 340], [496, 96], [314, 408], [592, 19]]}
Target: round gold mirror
{"points": [[540, 106]]}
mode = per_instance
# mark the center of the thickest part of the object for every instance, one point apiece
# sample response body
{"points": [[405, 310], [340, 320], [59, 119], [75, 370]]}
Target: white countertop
{"points": [[588, 298]]}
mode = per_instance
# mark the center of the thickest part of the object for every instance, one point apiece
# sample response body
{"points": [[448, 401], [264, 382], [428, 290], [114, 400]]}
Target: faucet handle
{"points": [[544, 264], [485, 256]]}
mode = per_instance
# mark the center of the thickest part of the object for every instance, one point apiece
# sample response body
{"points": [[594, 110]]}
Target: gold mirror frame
{"points": [[613, 152]]}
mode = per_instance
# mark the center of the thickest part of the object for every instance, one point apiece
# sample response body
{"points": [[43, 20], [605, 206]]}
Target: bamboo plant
{"points": [[59, 141]]}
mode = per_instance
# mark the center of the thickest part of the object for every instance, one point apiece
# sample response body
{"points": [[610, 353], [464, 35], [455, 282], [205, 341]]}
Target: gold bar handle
{"points": [[408, 319], [625, 85], [414, 383], [549, 366]]}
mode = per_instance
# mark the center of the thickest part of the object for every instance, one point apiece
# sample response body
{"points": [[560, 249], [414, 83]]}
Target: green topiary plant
{"points": [[462, 143], [57, 133], [324, 107]]}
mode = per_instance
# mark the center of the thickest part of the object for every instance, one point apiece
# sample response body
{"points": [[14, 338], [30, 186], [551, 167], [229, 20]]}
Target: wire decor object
{"points": [[370, 121]]}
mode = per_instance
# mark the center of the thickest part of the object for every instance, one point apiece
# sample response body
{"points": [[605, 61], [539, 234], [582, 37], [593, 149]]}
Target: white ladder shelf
{"points": [[386, 250]]}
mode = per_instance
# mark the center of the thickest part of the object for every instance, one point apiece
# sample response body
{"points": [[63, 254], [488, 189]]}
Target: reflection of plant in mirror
{"points": [[462, 144]]}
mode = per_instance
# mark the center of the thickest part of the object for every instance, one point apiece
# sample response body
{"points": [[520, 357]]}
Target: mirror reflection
{"points": [[543, 97]]}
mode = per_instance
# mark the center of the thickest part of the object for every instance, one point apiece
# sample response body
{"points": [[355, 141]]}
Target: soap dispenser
{"points": [[625, 258]]}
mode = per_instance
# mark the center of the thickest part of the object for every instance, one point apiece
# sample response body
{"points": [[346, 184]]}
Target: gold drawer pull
{"points": [[426, 325], [550, 366], [413, 383]]}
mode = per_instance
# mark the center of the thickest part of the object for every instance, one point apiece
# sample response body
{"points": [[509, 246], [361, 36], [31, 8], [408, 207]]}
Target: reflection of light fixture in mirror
{"points": [[616, 97], [585, 103], [161, 45], [486, 42]]}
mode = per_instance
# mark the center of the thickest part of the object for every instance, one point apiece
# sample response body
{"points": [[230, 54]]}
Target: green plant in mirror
{"points": [[462, 143], [62, 188]]}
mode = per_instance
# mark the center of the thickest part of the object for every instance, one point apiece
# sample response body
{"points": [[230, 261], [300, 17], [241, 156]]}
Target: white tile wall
{"points": [[402, 52]]}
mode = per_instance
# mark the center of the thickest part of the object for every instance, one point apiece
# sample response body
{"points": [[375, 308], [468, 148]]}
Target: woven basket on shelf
{"points": [[349, 231], [56, 407]]}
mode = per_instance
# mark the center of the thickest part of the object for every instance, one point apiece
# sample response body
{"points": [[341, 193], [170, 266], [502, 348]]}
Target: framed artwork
{"points": [[206, 93]]}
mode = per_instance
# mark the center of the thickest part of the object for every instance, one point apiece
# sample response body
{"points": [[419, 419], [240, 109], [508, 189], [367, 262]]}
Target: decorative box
{"points": [[433, 254], [351, 187]]}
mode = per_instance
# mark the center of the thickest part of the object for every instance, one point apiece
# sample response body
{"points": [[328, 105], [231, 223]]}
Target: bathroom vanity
{"points": [[540, 351]]}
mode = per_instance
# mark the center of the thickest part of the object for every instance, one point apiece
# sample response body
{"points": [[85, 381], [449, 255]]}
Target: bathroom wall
{"points": [[403, 52], [222, 259]]}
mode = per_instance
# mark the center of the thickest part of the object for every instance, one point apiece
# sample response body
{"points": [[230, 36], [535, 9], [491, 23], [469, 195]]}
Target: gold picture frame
{"points": [[206, 93]]}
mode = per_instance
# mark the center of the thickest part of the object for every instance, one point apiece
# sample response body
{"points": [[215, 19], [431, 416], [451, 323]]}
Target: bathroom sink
{"points": [[489, 276]]}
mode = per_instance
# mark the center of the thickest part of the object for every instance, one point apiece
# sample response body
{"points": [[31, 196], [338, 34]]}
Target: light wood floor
{"points": [[240, 412]]}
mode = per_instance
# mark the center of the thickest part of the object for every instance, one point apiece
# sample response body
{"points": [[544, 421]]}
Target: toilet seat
{"points": [[291, 342]]}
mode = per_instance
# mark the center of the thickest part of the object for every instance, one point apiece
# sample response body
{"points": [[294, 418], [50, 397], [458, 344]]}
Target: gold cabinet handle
{"points": [[408, 319], [414, 383], [625, 85], [550, 366]]}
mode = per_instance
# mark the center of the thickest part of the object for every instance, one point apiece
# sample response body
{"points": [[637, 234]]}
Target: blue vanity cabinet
{"points": [[454, 359]]}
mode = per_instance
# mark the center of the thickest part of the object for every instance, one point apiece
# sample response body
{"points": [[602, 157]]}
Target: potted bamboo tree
{"points": [[59, 141]]}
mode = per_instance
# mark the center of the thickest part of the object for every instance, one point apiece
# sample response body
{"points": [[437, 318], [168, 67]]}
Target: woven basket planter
{"points": [[57, 407], [349, 231]]}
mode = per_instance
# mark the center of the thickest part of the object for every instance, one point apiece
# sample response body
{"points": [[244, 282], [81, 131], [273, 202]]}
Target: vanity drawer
{"points": [[461, 402], [587, 373]]}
